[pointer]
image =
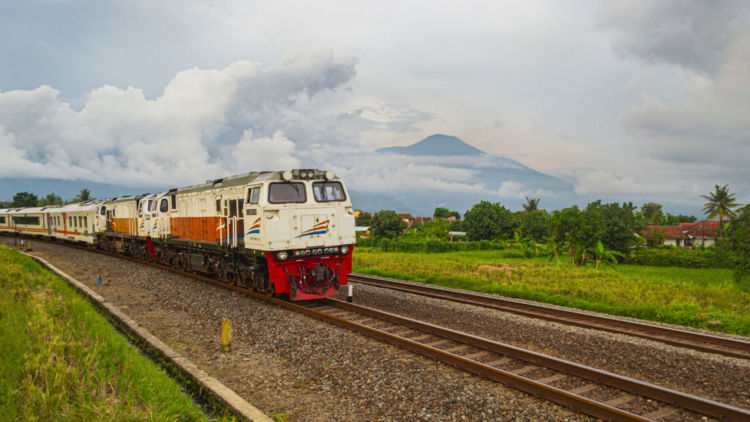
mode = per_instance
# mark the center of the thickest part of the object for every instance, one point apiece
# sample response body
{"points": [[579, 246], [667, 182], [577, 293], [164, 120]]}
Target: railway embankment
{"points": [[60, 359]]}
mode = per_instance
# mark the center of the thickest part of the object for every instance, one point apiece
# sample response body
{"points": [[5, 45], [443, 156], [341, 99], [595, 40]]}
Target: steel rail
{"points": [[566, 398], [677, 398], [704, 342]]}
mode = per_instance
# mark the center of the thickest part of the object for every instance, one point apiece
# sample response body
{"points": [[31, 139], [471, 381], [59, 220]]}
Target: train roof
{"points": [[125, 198], [76, 207], [247, 178], [30, 210]]}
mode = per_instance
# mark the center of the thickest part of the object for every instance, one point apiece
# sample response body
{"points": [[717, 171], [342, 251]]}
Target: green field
{"points": [[701, 298], [61, 360]]}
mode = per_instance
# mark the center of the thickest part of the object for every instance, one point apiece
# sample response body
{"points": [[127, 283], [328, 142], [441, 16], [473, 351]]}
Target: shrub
{"points": [[679, 257], [427, 246]]}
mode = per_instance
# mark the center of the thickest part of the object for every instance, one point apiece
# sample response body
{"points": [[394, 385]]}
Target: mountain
{"points": [[490, 177], [66, 189], [438, 145]]}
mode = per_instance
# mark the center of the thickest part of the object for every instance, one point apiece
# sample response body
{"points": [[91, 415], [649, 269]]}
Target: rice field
{"points": [[701, 298]]}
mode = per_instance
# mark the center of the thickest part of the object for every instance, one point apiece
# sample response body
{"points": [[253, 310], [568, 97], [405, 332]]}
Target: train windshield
{"points": [[285, 193], [328, 191]]}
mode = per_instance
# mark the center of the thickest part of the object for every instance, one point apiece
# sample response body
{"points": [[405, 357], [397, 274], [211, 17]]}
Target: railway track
{"points": [[704, 342], [592, 391]]}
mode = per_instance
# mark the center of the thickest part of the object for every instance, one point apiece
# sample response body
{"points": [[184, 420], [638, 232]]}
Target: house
{"points": [[665, 235], [362, 232], [357, 213], [685, 234], [418, 220], [408, 218], [702, 233], [457, 234]]}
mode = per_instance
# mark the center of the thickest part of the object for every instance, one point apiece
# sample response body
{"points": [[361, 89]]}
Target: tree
{"points": [[566, 228], [652, 213], [388, 224], [486, 221], [620, 225], [84, 196], [720, 202], [364, 219], [23, 199], [50, 199], [533, 224], [600, 254], [532, 204], [738, 240], [441, 212], [673, 220], [431, 230]]}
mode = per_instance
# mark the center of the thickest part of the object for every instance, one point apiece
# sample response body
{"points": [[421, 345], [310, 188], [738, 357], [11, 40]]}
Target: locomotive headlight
{"points": [[286, 175], [283, 255], [329, 175], [344, 250]]}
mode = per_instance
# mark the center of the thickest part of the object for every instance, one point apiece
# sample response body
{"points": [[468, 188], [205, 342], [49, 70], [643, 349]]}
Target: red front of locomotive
{"points": [[312, 273]]}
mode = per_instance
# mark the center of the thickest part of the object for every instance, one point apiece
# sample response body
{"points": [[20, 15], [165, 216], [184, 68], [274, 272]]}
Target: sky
{"points": [[628, 100]]}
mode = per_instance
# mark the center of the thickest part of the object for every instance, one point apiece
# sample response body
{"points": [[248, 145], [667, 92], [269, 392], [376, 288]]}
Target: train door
{"points": [[235, 220], [145, 218], [252, 213], [164, 214], [100, 219]]}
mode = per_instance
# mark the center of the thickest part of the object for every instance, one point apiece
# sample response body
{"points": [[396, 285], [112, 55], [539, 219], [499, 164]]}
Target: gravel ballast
{"points": [[720, 378], [289, 365]]}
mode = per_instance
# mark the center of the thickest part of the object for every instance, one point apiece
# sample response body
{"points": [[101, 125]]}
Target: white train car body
{"points": [[79, 222]]}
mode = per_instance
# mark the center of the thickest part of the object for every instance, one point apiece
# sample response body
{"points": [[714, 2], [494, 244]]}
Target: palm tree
{"points": [[531, 204], [720, 203]]}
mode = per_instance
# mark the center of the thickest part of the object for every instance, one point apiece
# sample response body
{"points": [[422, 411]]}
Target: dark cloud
{"points": [[692, 34]]}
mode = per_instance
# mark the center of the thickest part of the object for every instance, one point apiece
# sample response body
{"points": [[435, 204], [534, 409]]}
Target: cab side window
{"points": [[164, 206], [253, 194]]}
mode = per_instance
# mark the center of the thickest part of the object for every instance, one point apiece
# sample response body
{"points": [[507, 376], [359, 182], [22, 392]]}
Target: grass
{"points": [[701, 298], [61, 360]]}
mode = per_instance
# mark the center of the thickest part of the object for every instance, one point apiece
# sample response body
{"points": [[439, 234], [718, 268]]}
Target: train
{"points": [[287, 232]]}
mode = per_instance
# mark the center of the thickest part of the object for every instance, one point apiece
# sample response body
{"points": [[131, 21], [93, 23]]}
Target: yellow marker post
{"points": [[226, 335]]}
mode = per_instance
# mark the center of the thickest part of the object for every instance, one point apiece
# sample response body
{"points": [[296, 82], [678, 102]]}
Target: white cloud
{"points": [[205, 124]]}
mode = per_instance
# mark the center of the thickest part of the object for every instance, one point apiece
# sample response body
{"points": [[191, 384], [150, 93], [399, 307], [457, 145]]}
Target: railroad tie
{"points": [[455, 349], [553, 378], [525, 369], [477, 356], [661, 413], [585, 389], [420, 338], [620, 400], [438, 343], [501, 361]]}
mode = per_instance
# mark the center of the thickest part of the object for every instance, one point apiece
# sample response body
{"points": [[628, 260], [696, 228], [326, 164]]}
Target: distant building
{"points": [[362, 232], [357, 213], [685, 235], [408, 218], [418, 220], [456, 234]]}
